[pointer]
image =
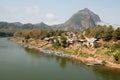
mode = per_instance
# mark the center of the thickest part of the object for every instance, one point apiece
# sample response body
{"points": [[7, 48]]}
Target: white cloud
{"points": [[8, 10], [52, 22], [51, 19], [32, 10], [50, 16], [31, 14]]}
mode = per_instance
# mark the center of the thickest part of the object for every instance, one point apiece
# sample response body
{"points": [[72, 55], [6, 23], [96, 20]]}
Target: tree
{"points": [[56, 44], [116, 34], [103, 32], [63, 40], [108, 33]]}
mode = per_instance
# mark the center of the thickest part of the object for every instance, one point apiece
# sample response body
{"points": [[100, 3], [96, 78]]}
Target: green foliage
{"points": [[117, 57], [109, 53], [6, 32], [116, 34], [59, 32], [101, 32], [82, 54], [76, 51], [60, 41], [37, 33], [96, 31], [96, 45], [56, 44], [67, 51], [108, 33], [115, 47], [63, 40], [104, 62], [106, 45]]}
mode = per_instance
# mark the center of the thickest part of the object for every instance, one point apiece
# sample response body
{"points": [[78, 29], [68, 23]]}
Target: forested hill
{"points": [[18, 25], [7, 29]]}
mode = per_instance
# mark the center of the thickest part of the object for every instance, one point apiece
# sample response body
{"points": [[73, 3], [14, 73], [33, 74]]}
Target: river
{"points": [[19, 63]]}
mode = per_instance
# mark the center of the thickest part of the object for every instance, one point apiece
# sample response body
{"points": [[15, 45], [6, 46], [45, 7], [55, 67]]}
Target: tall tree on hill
{"points": [[116, 34], [108, 33]]}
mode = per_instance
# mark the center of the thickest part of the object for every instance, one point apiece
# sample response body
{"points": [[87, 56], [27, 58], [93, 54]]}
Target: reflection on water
{"points": [[108, 73], [37, 54], [32, 52], [62, 61]]}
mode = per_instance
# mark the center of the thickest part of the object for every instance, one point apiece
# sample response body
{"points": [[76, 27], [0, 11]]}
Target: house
{"points": [[70, 41], [92, 41], [71, 34], [47, 39], [81, 42]]}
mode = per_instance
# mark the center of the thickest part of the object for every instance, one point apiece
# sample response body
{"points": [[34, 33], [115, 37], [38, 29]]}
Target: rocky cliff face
{"points": [[81, 20]]}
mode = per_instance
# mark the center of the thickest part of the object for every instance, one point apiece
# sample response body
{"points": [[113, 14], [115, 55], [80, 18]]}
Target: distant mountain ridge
{"points": [[42, 25], [18, 25], [81, 20]]}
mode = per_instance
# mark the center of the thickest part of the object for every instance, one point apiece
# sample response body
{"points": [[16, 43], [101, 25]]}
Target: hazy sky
{"points": [[56, 11]]}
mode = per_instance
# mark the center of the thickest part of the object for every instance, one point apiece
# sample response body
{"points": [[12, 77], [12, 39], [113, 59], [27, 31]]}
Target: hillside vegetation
{"points": [[108, 48]]}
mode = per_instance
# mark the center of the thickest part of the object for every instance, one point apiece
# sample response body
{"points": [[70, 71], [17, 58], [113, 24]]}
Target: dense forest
{"points": [[106, 33], [37, 33], [6, 33], [8, 29]]}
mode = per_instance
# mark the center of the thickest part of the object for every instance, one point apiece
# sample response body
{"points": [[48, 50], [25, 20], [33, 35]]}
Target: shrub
{"points": [[116, 47], [63, 40], [97, 45], [117, 57], [56, 44], [104, 62], [109, 53], [106, 45], [116, 34]]}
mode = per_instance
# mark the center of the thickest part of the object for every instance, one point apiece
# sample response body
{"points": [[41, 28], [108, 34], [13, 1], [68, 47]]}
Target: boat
{"points": [[94, 63], [46, 51], [58, 53]]}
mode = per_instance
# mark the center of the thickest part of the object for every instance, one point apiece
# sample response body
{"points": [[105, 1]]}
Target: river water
{"points": [[19, 63]]}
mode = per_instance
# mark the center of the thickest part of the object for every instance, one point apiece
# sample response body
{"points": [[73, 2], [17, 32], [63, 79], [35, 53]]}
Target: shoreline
{"points": [[87, 61], [90, 61]]}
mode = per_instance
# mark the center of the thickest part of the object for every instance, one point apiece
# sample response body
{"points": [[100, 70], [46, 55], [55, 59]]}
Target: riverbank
{"points": [[87, 56]]}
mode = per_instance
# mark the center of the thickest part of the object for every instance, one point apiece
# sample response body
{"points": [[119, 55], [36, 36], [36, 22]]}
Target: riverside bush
{"points": [[117, 57]]}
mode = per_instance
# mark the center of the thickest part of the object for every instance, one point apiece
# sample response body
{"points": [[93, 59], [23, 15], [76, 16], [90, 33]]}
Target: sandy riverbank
{"points": [[89, 60]]}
